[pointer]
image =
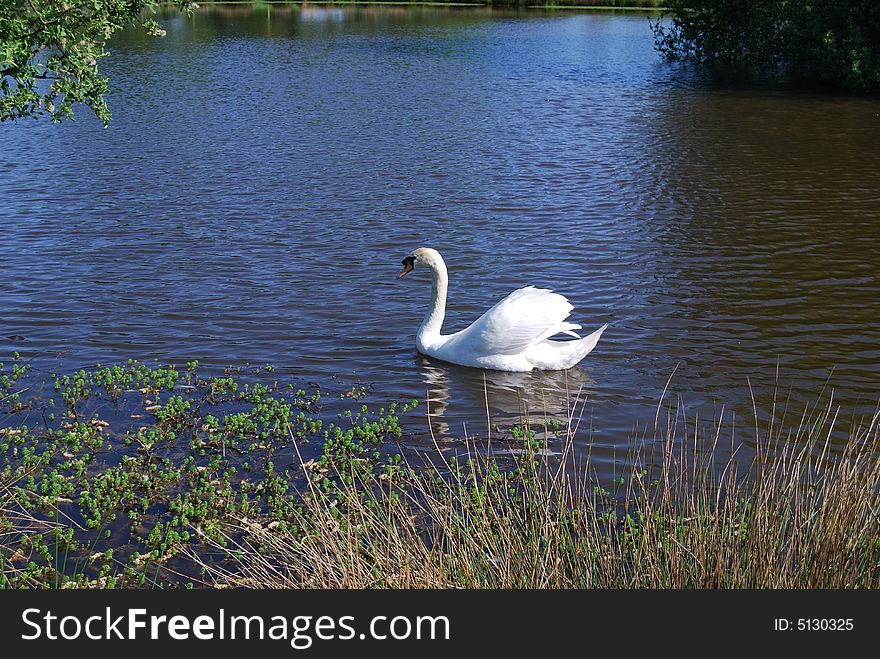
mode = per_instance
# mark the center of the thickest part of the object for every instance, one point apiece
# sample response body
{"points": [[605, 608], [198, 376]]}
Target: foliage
{"points": [[108, 479], [50, 49], [138, 475], [592, 4], [837, 41]]}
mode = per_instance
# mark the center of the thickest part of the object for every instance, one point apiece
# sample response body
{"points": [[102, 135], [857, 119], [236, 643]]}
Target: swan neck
{"points": [[433, 320]]}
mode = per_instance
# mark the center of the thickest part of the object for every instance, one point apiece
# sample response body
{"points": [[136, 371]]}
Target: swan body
{"points": [[514, 335]]}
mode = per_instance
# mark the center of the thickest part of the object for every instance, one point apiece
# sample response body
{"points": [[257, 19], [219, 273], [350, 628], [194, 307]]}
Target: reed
{"points": [[791, 516], [155, 476]]}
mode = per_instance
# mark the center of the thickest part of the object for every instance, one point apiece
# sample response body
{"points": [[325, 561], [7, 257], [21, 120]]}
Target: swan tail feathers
{"points": [[568, 328], [585, 345], [558, 355]]}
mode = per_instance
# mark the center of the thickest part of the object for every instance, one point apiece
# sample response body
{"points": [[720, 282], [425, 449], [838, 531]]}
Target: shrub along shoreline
{"points": [[156, 476], [648, 5]]}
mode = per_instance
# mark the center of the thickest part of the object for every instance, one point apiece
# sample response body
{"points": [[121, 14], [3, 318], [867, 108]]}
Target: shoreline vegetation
{"points": [[148, 476], [46, 40], [625, 5], [820, 42]]}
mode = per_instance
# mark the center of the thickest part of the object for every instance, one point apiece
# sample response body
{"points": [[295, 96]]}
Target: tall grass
{"points": [[782, 502], [801, 512]]}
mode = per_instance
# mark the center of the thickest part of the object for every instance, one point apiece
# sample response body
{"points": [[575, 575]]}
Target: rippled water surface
{"points": [[266, 171]]}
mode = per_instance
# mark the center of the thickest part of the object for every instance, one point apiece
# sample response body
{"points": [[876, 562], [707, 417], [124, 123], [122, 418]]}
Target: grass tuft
{"points": [[791, 517]]}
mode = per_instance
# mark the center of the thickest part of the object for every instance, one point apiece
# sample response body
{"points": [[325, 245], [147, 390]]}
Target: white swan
{"points": [[514, 335]]}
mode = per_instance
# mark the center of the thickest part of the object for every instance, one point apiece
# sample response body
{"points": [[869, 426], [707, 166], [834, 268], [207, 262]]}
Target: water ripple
{"points": [[265, 172]]}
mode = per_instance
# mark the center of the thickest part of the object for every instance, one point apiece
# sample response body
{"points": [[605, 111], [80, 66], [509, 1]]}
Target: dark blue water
{"points": [[267, 169]]}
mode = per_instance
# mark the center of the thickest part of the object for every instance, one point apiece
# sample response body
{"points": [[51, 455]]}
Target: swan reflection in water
{"points": [[458, 397]]}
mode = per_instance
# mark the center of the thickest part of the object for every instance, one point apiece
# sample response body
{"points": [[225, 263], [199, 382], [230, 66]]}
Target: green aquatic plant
{"points": [[154, 476], [148, 460]]}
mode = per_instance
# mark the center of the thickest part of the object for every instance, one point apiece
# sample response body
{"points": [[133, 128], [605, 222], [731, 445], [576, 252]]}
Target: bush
{"points": [[836, 41]]}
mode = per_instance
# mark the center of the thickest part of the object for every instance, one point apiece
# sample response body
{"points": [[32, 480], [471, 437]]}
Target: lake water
{"points": [[266, 170]]}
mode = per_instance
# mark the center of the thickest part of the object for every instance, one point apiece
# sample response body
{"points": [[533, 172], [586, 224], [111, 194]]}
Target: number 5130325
{"points": [[813, 624]]}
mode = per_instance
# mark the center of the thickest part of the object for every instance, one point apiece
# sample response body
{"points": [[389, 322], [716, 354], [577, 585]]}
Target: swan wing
{"points": [[526, 316]]}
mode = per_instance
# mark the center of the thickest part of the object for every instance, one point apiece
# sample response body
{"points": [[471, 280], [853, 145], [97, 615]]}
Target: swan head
{"points": [[424, 257]]}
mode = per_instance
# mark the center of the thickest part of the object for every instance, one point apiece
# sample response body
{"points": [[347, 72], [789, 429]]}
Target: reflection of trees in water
{"points": [[765, 241], [293, 20], [456, 392]]}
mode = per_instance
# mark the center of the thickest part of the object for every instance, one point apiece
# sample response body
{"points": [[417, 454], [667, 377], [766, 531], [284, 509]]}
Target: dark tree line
{"points": [[837, 41]]}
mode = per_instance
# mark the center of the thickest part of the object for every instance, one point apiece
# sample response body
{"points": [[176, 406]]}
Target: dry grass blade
{"points": [[791, 518]]}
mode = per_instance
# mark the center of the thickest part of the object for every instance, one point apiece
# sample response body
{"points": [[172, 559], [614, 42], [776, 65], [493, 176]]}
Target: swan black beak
{"points": [[408, 265]]}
